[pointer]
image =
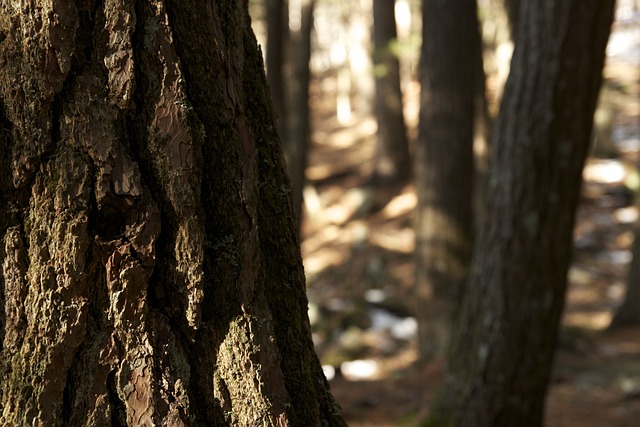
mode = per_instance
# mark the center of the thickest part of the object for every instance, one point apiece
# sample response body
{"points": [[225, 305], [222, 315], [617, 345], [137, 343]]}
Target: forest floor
{"points": [[357, 249]]}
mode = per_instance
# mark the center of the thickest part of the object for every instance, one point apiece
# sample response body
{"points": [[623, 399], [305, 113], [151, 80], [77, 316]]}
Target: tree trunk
{"points": [[501, 356], [629, 312], [445, 167], [298, 136], [150, 271], [392, 164], [277, 39]]}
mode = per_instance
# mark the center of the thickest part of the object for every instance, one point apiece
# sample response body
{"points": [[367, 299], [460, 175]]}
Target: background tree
{"points": [[277, 13], [451, 57], [629, 312], [150, 271], [500, 361], [298, 129], [289, 28], [392, 163]]}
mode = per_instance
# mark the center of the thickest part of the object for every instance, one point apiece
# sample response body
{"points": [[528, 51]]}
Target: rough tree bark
{"points": [[500, 360], [392, 163], [445, 167], [150, 271]]}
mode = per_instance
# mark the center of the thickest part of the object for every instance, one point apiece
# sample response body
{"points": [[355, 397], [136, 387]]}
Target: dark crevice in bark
{"points": [[6, 128], [3, 318], [220, 181], [85, 47], [67, 393], [11, 214], [202, 359], [56, 113], [118, 411], [109, 223], [98, 317], [146, 93], [159, 294], [162, 292], [85, 43]]}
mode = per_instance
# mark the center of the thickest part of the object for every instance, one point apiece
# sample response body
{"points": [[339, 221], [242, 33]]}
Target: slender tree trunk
{"points": [[276, 57], [298, 137], [629, 312], [357, 18], [500, 360], [150, 271], [393, 164], [445, 167]]}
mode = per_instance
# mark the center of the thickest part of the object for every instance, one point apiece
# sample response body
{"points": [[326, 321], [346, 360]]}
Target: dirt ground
{"points": [[357, 249]]}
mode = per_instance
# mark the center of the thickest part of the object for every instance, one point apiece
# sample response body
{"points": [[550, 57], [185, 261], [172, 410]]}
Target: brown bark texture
{"points": [[500, 361], [150, 270], [392, 163], [445, 167]]}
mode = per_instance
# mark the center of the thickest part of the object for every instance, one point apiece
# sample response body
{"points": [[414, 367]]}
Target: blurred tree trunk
{"points": [[501, 356], [358, 17], [512, 8], [629, 312], [392, 163], [445, 167], [277, 39], [150, 270], [298, 136]]}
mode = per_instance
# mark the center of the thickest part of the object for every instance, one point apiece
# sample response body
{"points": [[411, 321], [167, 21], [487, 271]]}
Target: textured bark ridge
{"points": [[150, 268]]}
